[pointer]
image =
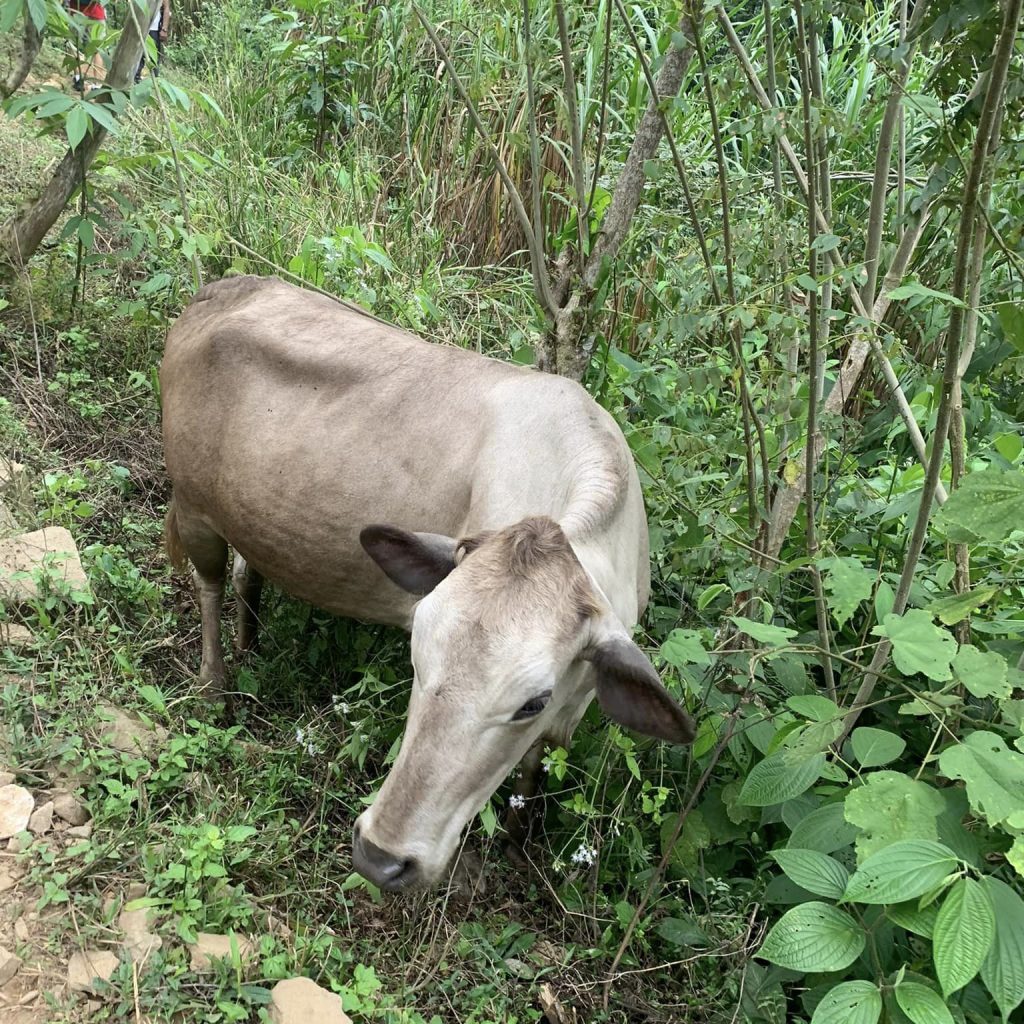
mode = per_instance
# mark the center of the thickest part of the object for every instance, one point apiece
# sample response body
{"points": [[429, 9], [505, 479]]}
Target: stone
{"points": [[50, 552], [21, 931], [139, 942], [15, 809], [16, 844], [88, 965], [42, 819], [128, 733], [303, 1001], [9, 965], [209, 948], [68, 809], [6, 778], [15, 636], [80, 831]]}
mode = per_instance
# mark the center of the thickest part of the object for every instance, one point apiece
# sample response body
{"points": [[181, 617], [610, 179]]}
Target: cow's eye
{"points": [[534, 706]]}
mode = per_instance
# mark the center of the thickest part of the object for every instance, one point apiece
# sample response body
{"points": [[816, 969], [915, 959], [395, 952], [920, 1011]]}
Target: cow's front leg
{"points": [[212, 673], [524, 806]]}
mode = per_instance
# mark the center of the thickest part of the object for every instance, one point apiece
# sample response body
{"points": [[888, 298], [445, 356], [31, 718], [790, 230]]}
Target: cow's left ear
{"points": [[630, 692], [417, 562]]}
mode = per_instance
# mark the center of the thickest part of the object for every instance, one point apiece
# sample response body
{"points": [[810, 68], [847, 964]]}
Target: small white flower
{"points": [[311, 750], [516, 802], [585, 855], [546, 766], [300, 737], [340, 706]]}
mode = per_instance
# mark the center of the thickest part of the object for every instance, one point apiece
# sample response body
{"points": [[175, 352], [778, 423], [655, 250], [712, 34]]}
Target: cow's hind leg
{"points": [[248, 585], [208, 552]]}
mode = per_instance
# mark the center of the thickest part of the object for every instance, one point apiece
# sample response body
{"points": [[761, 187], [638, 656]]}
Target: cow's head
{"points": [[509, 641]]}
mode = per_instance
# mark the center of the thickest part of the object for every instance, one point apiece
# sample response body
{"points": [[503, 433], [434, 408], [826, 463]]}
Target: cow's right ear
{"points": [[417, 562]]}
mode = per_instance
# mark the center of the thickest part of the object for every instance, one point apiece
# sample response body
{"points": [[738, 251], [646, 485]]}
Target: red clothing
{"points": [[92, 10]]}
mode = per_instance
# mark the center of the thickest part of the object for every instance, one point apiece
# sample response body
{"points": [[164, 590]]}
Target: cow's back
{"points": [[292, 421]]}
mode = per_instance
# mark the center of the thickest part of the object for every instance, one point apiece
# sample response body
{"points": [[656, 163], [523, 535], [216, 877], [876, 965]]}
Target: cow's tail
{"points": [[176, 553]]}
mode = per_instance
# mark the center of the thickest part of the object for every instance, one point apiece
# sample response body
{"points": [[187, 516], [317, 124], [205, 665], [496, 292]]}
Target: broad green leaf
{"points": [[824, 830], [778, 778], [709, 594], [76, 125], [874, 747], [921, 1004], [963, 936], [890, 807], [885, 598], [1009, 446], [994, 775], [900, 872], [987, 506], [678, 931], [918, 645], [1015, 855], [813, 871], [1003, 969], [37, 12], [914, 289], [954, 609], [852, 1002], [762, 632], [984, 673], [825, 243], [814, 937], [1011, 319], [920, 921], [814, 707], [694, 837], [849, 583], [683, 647]]}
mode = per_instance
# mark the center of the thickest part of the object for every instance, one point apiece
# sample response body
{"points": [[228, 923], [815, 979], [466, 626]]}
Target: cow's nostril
{"points": [[380, 867]]}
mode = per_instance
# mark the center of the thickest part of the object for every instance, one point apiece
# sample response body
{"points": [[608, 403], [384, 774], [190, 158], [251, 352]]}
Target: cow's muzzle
{"points": [[385, 870]]}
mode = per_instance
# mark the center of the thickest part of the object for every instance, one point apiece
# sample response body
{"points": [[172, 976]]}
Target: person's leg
{"points": [[155, 36]]}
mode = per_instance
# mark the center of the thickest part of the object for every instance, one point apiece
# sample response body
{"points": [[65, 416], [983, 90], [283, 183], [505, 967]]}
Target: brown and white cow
{"points": [[293, 424]]}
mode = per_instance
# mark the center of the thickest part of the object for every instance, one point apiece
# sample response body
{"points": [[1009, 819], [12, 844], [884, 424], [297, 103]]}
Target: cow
{"points": [[493, 511]]}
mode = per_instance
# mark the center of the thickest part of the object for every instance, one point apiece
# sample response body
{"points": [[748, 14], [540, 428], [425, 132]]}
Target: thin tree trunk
{"points": [[569, 344], [21, 235], [31, 43], [987, 139]]}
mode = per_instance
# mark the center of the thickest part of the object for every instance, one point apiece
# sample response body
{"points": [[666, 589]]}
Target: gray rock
{"points": [[51, 551], [88, 965], [42, 819], [209, 948], [302, 1001], [139, 942], [67, 807], [6, 778], [80, 831], [15, 636], [15, 809], [128, 733], [9, 965]]}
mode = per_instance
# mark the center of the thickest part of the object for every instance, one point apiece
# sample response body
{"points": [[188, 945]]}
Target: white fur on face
{"points": [[460, 740]]}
